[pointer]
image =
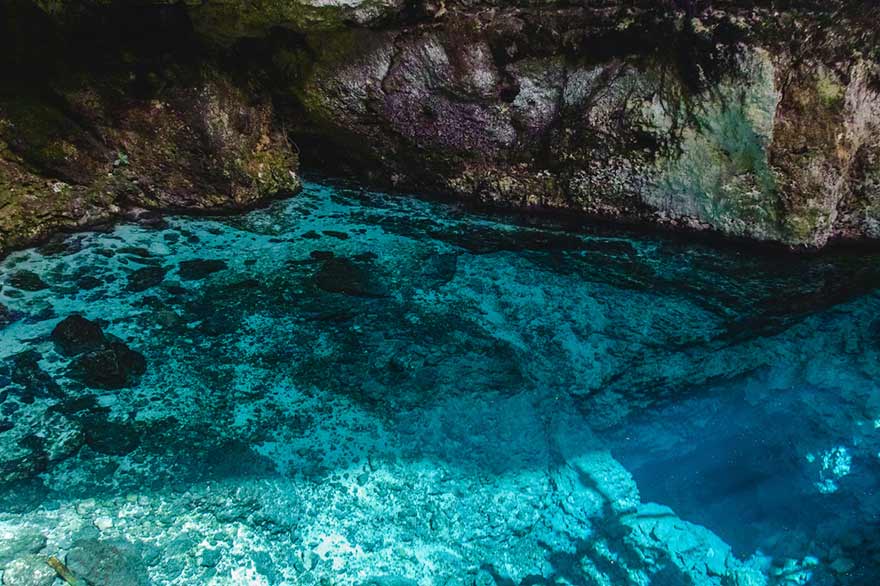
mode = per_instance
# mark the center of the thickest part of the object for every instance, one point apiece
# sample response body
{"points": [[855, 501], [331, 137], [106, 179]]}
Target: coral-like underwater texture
{"points": [[349, 387]]}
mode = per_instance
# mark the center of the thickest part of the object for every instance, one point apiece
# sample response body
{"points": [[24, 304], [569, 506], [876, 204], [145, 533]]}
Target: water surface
{"points": [[354, 388]]}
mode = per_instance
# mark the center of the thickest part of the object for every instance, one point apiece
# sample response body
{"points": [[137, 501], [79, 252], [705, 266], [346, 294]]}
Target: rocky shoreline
{"points": [[756, 123]]}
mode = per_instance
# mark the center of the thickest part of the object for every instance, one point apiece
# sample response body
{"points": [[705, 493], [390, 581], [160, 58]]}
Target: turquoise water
{"points": [[354, 388]]}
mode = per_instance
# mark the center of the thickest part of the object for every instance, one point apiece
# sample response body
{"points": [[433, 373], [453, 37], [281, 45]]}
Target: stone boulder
{"points": [[7, 316], [28, 380], [75, 334], [145, 278], [27, 281], [114, 366], [37, 439]]}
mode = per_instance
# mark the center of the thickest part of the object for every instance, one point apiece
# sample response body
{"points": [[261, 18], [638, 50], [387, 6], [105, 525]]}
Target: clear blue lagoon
{"points": [[353, 388]]}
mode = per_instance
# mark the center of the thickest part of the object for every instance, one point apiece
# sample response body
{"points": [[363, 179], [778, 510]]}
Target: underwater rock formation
{"points": [[75, 335], [374, 389], [756, 122]]}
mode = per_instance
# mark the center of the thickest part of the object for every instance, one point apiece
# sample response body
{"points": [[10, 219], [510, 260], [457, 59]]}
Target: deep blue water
{"points": [[355, 388]]}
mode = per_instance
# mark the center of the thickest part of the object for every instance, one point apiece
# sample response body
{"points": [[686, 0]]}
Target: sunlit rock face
{"points": [[354, 388], [710, 123]]}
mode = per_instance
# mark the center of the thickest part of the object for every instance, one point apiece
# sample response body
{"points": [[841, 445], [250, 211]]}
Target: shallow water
{"points": [[379, 390]]}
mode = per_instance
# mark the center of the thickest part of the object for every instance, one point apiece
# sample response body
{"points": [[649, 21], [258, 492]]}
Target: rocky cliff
{"points": [[753, 119]]}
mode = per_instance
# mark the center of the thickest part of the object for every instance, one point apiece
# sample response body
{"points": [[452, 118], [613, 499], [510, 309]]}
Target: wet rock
{"points": [[194, 270], [20, 542], [75, 334], [145, 278], [30, 570], [114, 367], [107, 563], [340, 275], [27, 281]]}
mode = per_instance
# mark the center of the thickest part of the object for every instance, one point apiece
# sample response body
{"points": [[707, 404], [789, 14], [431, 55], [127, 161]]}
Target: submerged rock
{"points": [[23, 370], [27, 281], [107, 563], [29, 570], [113, 367], [145, 278], [88, 282], [340, 275], [6, 316], [110, 437], [19, 543], [75, 335], [194, 270], [38, 439]]}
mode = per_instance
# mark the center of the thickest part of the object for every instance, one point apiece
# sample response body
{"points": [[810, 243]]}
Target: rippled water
{"points": [[354, 388]]}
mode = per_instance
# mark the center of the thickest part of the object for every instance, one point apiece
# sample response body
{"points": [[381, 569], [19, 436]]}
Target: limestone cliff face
{"points": [[754, 122], [734, 120]]}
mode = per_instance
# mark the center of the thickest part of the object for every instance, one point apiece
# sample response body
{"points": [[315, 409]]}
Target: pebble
{"points": [[104, 523]]}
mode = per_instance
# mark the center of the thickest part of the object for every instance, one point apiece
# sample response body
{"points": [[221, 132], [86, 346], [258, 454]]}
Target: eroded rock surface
{"points": [[713, 122], [106, 113], [752, 121]]}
